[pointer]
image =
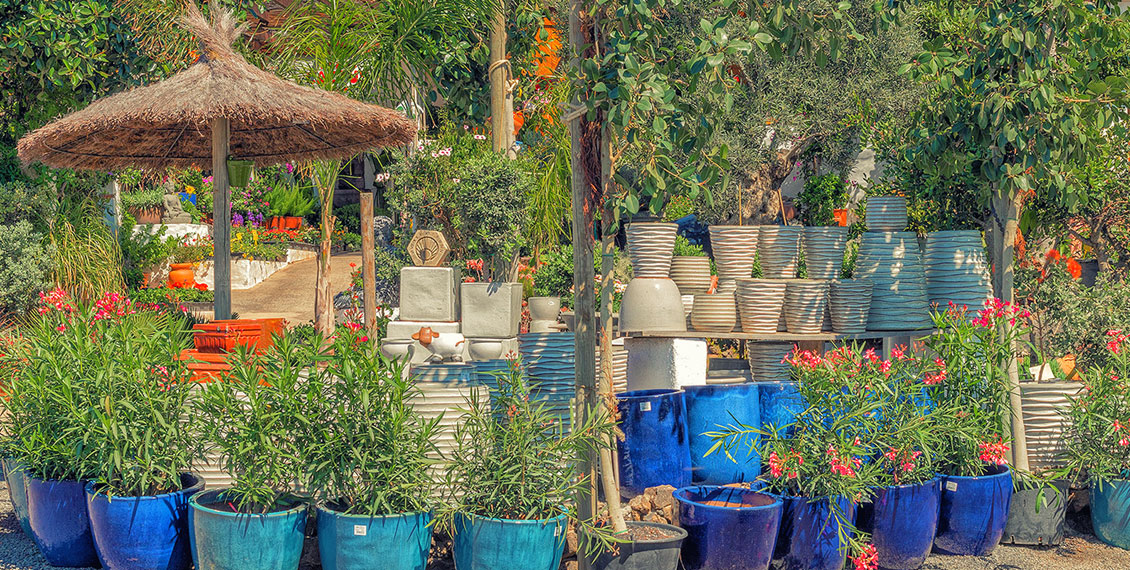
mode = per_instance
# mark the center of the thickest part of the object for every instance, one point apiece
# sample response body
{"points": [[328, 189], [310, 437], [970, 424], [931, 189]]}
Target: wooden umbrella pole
{"points": [[221, 218], [368, 264]]}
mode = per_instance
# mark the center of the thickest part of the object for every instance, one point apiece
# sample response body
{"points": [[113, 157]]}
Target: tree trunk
{"points": [[221, 220], [323, 294], [765, 183], [1004, 224], [501, 96]]}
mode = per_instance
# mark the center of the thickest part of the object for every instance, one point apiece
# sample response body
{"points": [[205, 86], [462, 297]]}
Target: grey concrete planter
{"points": [[491, 310]]}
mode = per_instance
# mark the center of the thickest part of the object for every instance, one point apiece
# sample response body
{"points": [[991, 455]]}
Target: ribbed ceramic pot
{"points": [[892, 262], [766, 361], [650, 248], [778, 248], [806, 300], [652, 305], [727, 527], [1043, 404], [734, 249], [886, 214], [442, 394], [655, 450], [973, 513], [957, 269], [849, 303], [1110, 509], [759, 303], [824, 248], [710, 407], [714, 313], [691, 274]]}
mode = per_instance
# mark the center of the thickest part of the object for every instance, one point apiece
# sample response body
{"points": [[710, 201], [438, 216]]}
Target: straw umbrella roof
{"points": [[169, 123]]}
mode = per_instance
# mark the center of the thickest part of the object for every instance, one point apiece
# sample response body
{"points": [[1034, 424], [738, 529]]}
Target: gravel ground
{"points": [[1078, 552]]}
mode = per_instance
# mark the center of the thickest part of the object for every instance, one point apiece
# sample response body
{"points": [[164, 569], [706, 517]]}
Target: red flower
{"points": [[993, 452], [868, 558], [202, 286], [1074, 268], [1051, 256]]}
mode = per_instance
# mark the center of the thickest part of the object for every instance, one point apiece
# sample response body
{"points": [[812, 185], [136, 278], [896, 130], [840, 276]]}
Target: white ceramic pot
{"points": [[544, 308], [1044, 421], [714, 313], [778, 250], [400, 349], [485, 348], [650, 247], [652, 305], [759, 304], [957, 269], [734, 249]]}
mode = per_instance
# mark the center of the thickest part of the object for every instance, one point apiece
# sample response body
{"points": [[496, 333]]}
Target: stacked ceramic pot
{"points": [[446, 390], [766, 361], [619, 365], [886, 214], [734, 249], [957, 269], [652, 301], [544, 312], [691, 274], [824, 251], [806, 302], [778, 249], [892, 262], [849, 304], [760, 302], [548, 360], [714, 313]]}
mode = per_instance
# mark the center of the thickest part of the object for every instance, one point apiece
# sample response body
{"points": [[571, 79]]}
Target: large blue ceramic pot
{"points": [[780, 404], [226, 540], [655, 448], [355, 542], [59, 524], [814, 534], [16, 477], [974, 512], [1110, 512], [727, 527], [903, 522], [712, 408], [482, 543], [142, 532]]}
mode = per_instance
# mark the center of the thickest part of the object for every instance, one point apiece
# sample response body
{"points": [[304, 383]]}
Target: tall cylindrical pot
{"points": [[360, 542], [713, 408], [905, 518], [814, 534], [142, 532], [645, 554], [824, 248], [806, 301], [59, 523], [482, 543], [16, 476], [886, 214], [974, 511], [759, 303], [655, 450], [849, 303], [1110, 511], [225, 540], [778, 249], [734, 249], [727, 527]]}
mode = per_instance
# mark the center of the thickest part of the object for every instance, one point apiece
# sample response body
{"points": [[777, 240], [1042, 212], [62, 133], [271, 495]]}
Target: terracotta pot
{"points": [[145, 276], [181, 275], [291, 222], [268, 329], [150, 215], [275, 223], [224, 337]]}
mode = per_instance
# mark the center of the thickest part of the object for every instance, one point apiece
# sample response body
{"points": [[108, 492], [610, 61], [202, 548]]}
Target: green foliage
{"points": [[289, 200], [143, 198], [142, 251], [86, 256], [100, 396], [193, 249], [27, 269], [164, 295], [1095, 437], [686, 248], [349, 217], [23, 201], [821, 195]]}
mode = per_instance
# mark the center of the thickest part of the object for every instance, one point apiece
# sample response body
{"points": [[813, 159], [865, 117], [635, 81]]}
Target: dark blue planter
{"points": [[1110, 512], [186, 197], [814, 535], [903, 522], [974, 512], [143, 532], [780, 404], [482, 543], [713, 408], [223, 540], [655, 448], [355, 542], [59, 524], [727, 527], [785, 530], [16, 477]]}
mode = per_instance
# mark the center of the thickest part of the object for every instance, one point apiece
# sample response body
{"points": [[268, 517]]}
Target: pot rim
{"points": [[937, 479], [680, 532], [31, 478], [97, 494], [561, 517], [778, 501], [1002, 470], [324, 507], [638, 395], [194, 502]]}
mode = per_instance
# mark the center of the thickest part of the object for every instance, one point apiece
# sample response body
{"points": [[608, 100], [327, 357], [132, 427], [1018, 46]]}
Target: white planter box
{"points": [[491, 310]]}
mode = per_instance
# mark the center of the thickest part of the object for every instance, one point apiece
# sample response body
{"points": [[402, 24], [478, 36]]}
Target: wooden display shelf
{"points": [[784, 336]]}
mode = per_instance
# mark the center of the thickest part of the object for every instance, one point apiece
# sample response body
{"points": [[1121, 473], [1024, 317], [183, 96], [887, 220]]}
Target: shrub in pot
{"points": [[101, 423]]}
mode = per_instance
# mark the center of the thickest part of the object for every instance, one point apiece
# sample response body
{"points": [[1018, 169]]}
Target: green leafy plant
{"points": [[165, 295], [143, 198], [142, 251], [28, 266], [821, 195], [86, 256], [1097, 436], [193, 249], [289, 200], [683, 247]]}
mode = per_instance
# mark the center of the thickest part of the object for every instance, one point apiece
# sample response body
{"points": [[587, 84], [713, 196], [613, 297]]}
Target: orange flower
{"points": [[1052, 255], [1074, 268]]}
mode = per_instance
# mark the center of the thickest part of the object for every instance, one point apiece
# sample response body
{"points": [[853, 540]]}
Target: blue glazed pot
{"points": [[482, 543], [903, 522], [355, 542], [814, 535], [1110, 512], [711, 408], [143, 532], [223, 540], [59, 524], [727, 527], [16, 477], [780, 404], [186, 197], [974, 512], [655, 450]]}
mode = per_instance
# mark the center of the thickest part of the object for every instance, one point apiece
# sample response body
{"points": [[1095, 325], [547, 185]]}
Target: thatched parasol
{"points": [[219, 106]]}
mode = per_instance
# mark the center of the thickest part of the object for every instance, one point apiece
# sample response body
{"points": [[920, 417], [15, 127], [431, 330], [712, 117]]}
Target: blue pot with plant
{"points": [[142, 532], [903, 520], [16, 476], [351, 541], [727, 527], [710, 408], [226, 539], [485, 543], [780, 404], [655, 450], [59, 523], [973, 512], [817, 533]]}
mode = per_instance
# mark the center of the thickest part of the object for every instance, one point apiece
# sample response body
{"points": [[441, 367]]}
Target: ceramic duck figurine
{"points": [[447, 346]]}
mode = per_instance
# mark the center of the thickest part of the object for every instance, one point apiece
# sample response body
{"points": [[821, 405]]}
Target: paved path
{"points": [[289, 293]]}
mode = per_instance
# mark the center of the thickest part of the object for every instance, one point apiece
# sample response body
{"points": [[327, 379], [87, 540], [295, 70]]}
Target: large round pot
{"points": [[147, 215], [714, 312], [482, 543], [712, 408], [727, 527], [904, 520], [652, 305], [224, 540], [806, 301], [824, 248], [780, 404], [142, 532], [16, 477], [734, 249], [849, 304], [357, 542], [485, 348], [291, 222], [974, 511], [59, 523], [655, 450], [650, 247], [1110, 509], [886, 214], [814, 534], [957, 269], [1036, 515], [656, 554], [544, 308], [181, 275]]}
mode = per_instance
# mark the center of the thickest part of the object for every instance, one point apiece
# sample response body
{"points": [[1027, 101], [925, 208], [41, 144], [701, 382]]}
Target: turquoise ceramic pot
{"points": [[223, 540], [357, 542], [1110, 512], [16, 477], [483, 543]]}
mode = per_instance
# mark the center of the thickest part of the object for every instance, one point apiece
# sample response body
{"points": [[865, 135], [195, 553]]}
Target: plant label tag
{"points": [[360, 530], [951, 486], [557, 531], [645, 406]]}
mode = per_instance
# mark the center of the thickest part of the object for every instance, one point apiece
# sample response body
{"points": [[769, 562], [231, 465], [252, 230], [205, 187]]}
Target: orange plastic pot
{"points": [[841, 215], [275, 223], [224, 337], [292, 222], [268, 329], [181, 275]]}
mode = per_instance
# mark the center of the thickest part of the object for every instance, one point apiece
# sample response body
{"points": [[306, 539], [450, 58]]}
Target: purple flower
{"points": [[236, 219], [289, 168]]}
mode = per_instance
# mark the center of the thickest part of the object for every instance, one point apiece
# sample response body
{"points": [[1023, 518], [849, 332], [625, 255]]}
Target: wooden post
{"points": [[221, 218], [501, 98], [368, 264]]}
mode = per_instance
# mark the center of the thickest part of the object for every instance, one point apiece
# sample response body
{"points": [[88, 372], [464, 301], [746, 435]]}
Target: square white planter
{"points": [[491, 310], [429, 294]]}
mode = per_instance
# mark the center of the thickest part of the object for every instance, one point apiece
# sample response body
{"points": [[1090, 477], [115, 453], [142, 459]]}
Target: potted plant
{"points": [[145, 204], [825, 239], [690, 268], [727, 527], [288, 204], [256, 424], [186, 255]]}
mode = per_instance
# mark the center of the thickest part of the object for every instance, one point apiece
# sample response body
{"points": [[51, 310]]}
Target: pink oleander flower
{"points": [[868, 559], [993, 452]]}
